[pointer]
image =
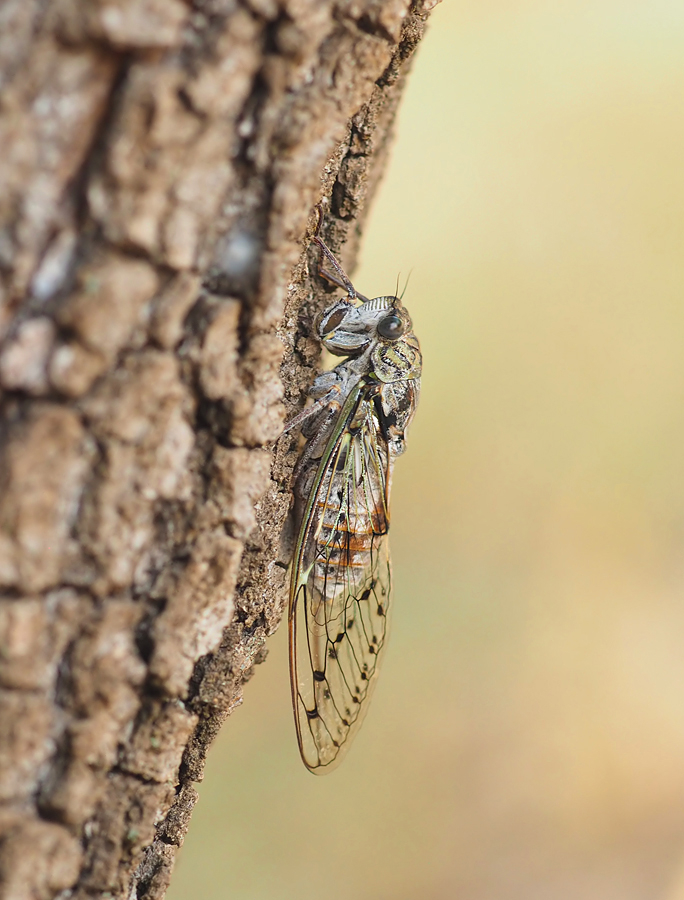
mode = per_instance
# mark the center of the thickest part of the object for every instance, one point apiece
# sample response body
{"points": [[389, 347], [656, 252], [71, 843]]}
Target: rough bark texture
{"points": [[159, 165]]}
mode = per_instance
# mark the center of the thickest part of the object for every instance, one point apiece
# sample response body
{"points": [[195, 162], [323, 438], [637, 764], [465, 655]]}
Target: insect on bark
{"points": [[341, 576]]}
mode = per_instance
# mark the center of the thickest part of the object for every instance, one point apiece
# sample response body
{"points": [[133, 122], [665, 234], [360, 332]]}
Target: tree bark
{"points": [[159, 162]]}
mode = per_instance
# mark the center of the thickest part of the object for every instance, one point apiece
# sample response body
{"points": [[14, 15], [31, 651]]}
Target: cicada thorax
{"points": [[398, 360]]}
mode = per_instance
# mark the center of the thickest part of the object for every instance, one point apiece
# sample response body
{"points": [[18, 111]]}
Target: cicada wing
{"points": [[340, 596], [337, 646]]}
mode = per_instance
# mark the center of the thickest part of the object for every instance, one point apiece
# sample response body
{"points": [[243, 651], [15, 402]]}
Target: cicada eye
{"points": [[391, 327]]}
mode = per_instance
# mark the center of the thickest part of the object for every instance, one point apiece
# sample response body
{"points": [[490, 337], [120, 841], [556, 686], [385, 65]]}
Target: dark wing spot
{"points": [[340, 637], [332, 653], [312, 713], [345, 722], [381, 609], [364, 677], [319, 676], [341, 458]]}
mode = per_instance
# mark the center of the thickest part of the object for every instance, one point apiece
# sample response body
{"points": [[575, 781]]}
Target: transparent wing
{"points": [[340, 592]]}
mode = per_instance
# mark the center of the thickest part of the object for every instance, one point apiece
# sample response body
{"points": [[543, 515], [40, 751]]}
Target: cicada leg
{"points": [[329, 399], [342, 281]]}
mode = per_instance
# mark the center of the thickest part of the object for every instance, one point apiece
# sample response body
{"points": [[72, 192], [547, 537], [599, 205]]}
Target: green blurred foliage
{"points": [[527, 736]]}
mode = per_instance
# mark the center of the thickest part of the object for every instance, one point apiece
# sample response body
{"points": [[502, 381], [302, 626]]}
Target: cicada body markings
{"points": [[340, 589]]}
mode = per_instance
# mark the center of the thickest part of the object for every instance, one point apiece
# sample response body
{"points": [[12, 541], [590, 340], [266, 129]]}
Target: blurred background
{"points": [[526, 740]]}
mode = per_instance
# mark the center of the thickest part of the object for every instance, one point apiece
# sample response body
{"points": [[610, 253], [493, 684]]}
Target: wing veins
{"points": [[365, 479]]}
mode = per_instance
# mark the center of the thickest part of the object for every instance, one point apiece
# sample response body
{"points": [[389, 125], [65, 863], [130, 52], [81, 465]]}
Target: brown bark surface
{"points": [[159, 164]]}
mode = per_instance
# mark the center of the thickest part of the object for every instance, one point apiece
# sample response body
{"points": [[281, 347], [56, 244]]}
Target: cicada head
{"points": [[347, 330]]}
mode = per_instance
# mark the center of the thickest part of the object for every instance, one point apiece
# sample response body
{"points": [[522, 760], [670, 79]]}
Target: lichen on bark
{"points": [[160, 164]]}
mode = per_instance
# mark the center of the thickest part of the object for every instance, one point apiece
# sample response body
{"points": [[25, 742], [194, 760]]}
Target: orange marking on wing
{"points": [[345, 557], [353, 540]]}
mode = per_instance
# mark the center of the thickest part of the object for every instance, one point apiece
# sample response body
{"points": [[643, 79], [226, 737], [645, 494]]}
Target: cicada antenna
{"points": [[343, 281], [405, 286]]}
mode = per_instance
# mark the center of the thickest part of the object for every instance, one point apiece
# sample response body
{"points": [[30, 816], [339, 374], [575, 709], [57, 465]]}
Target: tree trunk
{"points": [[159, 162]]}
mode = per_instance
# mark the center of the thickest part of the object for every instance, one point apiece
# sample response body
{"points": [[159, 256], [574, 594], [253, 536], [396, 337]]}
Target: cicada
{"points": [[341, 575]]}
